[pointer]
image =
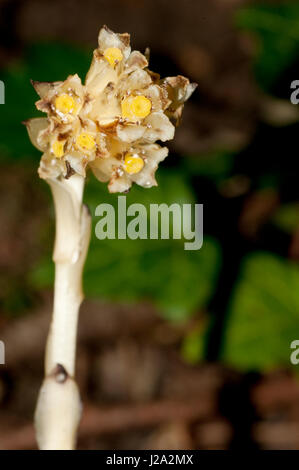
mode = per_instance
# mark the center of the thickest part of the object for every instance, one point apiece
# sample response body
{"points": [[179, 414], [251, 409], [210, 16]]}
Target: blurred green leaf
{"points": [[277, 29], [287, 217], [15, 296], [264, 313], [216, 165], [193, 346]]}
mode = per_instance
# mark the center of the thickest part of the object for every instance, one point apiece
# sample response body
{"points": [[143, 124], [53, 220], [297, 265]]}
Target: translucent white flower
{"points": [[112, 122], [127, 165]]}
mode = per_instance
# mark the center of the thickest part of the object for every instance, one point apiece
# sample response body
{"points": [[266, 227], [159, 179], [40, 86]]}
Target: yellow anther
{"points": [[57, 148], [136, 107], [85, 141], [113, 55], [133, 164], [65, 104]]}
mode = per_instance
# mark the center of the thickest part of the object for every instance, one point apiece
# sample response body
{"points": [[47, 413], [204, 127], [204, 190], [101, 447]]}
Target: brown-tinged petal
{"points": [[179, 89], [77, 162], [108, 38], [108, 125], [135, 61], [158, 97], [44, 88]]}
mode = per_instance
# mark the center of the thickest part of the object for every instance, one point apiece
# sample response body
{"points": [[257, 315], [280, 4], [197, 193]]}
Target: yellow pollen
{"points": [[65, 103], [133, 164], [85, 141], [58, 148], [113, 55], [136, 107]]}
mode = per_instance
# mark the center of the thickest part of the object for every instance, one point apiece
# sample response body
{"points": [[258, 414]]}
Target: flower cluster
{"points": [[110, 124]]}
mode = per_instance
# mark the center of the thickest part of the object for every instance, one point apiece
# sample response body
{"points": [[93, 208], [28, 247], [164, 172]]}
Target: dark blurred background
{"points": [[176, 349]]}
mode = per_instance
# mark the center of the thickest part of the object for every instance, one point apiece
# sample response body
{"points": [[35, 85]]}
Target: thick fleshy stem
{"points": [[58, 408]]}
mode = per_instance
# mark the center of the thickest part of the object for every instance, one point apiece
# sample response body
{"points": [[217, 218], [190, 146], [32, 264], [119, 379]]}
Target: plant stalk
{"points": [[58, 408]]}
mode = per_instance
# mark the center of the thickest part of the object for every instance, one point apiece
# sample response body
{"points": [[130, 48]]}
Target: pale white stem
{"points": [[59, 408]]}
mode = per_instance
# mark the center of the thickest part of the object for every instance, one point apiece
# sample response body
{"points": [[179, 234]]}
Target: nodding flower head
{"points": [[111, 123]]}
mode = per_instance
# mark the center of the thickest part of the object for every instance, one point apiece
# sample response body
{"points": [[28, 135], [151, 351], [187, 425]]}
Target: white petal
{"points": [[99, 75], [119, 184], [137, 80], [73, 82], [34, 127], [189, 90], [154, 155], [99, 174], [159, 127], [50, 167], [105, 107], [103, 168], [130, 132]]}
